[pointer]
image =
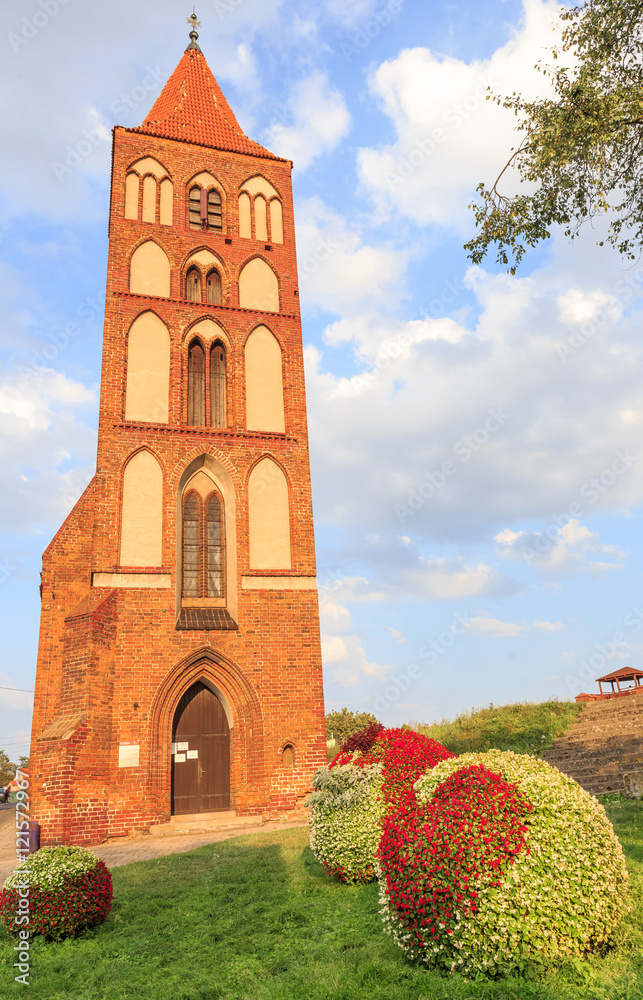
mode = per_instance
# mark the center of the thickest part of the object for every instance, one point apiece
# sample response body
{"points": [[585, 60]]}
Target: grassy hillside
{"points": [[256, 918], [523, 728]]}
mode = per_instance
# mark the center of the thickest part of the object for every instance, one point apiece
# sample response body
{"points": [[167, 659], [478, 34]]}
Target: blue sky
{"points": [[475, 437]]}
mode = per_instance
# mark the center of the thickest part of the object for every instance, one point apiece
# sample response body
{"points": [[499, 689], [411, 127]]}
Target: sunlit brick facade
{"points": [[188, 564]]}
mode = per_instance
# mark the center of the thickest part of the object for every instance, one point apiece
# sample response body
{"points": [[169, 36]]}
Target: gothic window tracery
{"points": [[207, 380], [203, 563]]}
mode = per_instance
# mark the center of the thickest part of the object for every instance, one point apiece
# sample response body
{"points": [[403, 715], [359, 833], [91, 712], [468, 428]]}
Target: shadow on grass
{"points": [[256, 918]]}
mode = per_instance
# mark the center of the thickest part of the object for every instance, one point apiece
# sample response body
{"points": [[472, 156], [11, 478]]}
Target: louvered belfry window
{"points": [[214, 211], [203, 547], [196, 385], [217, 386], [195, 208], [213, 288], [205, 209], [193, 285]]}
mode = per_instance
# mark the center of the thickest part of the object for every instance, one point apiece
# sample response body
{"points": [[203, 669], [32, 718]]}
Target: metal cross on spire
{"points": [[194, 23]]}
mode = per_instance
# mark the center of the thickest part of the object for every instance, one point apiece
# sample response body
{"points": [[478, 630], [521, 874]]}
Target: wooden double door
{"points": [[200, 753]]}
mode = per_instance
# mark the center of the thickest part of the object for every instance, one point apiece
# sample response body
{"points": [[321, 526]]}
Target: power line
{"points": [[23, 690]]}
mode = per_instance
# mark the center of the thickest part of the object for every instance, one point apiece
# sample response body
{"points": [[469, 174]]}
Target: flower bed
{"points": [[368, 777], [68, 890], [499, 863]]}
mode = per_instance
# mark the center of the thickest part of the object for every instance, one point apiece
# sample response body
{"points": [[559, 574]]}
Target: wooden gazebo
{"points": [[624, 674], [617, 677]]}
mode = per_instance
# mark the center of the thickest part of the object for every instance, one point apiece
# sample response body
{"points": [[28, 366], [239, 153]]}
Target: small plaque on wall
{"points": [[128, 754], [193, 754], [182, 746], [179, 758]]}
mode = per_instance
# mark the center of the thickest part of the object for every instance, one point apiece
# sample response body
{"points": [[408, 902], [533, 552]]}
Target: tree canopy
{"points": [[341, 725], [581, 151]]}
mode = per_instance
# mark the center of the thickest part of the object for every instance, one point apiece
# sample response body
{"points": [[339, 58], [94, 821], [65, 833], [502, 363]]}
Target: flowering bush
{"points": [[372, 770], [499, 862], [67, 888]]}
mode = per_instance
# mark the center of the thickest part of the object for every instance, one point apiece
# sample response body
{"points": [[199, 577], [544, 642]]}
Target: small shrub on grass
{"points": [[70, 890], [371, 772], [498, 864]]}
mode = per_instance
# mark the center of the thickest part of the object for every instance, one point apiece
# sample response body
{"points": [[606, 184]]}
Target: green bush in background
{"points": [[341, 725]]}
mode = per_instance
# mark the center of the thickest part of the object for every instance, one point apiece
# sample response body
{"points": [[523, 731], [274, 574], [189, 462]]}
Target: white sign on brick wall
{"points": [[128, 754]]}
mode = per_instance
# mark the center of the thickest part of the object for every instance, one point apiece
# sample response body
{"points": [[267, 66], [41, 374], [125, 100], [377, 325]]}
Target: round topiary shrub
{"points": [[66, 889], [499, 863], [372, 770]]}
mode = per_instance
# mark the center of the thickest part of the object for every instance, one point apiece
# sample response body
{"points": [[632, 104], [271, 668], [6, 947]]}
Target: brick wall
{"points": [[115, 655]]}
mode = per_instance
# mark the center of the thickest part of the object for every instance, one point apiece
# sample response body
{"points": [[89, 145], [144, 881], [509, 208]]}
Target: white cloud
{"points": [[425, 402], [560, 550], [493, 628], [342, 648], [320, 120], [42, 477], [484, 625], [332, 256], [548, 626], [583, 306], [448, 136]]}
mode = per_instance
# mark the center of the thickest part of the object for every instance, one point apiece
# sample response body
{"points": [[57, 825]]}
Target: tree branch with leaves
{"points": [[581, 152]]}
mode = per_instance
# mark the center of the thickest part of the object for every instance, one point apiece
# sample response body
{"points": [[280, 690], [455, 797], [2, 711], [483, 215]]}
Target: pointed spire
{"points": [[194, 33], [192, 108]]}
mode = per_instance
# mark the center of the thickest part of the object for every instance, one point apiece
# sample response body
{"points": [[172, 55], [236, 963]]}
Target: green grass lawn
{"points": [[256, 918], [523, 727]]}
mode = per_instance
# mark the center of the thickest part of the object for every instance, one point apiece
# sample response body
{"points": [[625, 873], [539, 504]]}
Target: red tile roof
{"points": [[192, 108], [623, 674]]}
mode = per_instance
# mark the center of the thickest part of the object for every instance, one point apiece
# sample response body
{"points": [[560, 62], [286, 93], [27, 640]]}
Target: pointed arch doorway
{"points": [[200, 753]]}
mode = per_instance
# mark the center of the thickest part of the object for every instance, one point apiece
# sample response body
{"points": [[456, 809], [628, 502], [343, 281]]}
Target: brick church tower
{"points": [[179, 666]]}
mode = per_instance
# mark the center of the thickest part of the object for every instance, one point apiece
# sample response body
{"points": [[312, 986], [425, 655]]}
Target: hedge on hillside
{"points": [[499, 863], [62, 891], [372, 770]]}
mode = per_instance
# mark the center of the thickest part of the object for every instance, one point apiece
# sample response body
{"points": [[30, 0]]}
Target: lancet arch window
{"points": [[207, 385], [213, 288], [201, 287], [193, 285], [203, 554], [205, 209]]}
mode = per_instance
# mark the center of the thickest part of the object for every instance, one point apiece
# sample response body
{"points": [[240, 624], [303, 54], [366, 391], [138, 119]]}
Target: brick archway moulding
{"points": [[224, 678]]}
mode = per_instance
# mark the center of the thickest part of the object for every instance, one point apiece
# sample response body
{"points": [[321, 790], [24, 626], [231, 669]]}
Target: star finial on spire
{"points": [[194, 23]]}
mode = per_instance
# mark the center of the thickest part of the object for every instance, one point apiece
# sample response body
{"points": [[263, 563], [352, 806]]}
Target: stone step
{"points": [[626, 748], [607, 727], [598, 709], [586, 773], [635, 720], [598, 736], [603, 744], [597, 784], [608, 745], [192, 823], [582, 765]]}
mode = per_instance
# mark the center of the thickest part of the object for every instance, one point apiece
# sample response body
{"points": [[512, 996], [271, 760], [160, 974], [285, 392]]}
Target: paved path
{"points": [[136, 849]]}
